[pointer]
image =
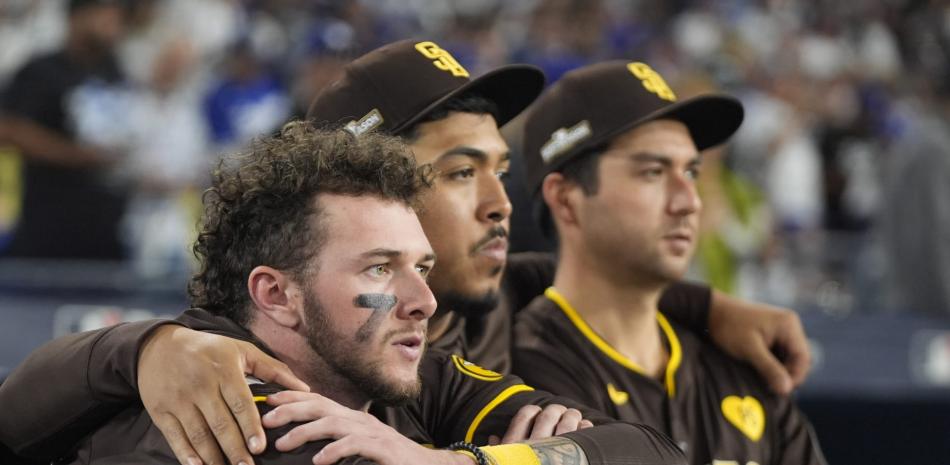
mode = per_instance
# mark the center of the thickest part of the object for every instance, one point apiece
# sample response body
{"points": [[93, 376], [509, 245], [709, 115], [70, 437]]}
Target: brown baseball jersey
{"points": [[486, 338], [96, 370], [715, 408], [459, 401]]}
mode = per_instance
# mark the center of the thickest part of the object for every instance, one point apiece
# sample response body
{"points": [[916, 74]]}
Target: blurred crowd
{"points": [[835, 194]]}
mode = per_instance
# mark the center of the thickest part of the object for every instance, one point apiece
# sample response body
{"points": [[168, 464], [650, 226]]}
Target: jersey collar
{"points": [[676, 352]]}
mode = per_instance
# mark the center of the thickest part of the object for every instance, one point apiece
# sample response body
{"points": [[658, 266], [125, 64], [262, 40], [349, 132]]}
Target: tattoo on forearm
{"points": [[558, 451]]}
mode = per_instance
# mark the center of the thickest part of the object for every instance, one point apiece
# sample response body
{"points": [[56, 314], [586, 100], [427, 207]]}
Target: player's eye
{"points": [[693, 172], [378, 270], [423, 270], [463, 173], [651, 173]]}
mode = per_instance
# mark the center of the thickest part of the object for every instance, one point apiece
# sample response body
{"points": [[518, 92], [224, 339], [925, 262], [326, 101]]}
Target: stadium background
{"points": [[832, 199]]}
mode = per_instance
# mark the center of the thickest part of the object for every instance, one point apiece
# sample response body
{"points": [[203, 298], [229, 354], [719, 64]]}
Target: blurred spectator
{"points": [[916, 217], [821, 82], [735, 228], [168, 158], [64, 112], [247, 102], [27, 27]]}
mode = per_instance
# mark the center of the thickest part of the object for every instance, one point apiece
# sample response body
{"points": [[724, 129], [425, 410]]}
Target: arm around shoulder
{"points": [[70, 386]]}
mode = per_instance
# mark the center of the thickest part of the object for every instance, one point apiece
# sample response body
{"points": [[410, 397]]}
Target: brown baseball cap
{"points": [[590, 106], [394, 86]]}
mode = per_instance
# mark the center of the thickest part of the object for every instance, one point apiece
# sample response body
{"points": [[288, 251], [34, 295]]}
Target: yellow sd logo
{"points": [[474, 370], [652, 81], [441, 58]]}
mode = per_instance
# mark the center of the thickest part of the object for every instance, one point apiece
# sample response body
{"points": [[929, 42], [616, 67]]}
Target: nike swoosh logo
{"points": [[618, 397]]}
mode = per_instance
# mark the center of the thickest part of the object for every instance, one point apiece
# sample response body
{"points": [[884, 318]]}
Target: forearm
{"points": [[70, 386], [547, 451], [609, 444], [42, 144], [609, 441]]}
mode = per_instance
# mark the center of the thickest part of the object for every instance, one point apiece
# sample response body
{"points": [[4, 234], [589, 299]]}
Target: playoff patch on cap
{"points": [[589, 106], [393, 87]]}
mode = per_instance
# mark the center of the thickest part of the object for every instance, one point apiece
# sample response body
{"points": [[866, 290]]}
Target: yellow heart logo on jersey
{"points": [[746, 414], [617, 396]]}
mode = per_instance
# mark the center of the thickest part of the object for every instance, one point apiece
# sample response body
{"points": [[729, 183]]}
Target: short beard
{"points": [[343, 356], [469, 306]]}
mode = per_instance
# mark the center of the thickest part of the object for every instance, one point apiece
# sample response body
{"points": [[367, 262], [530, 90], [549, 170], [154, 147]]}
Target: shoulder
{"points": [[441, 367], [728, 376], [271, 455], [541, 310], [526, 276], [541, 323]]}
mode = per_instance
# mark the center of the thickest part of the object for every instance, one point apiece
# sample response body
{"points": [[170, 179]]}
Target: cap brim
{"points": [[711, 119], [511, 88]]}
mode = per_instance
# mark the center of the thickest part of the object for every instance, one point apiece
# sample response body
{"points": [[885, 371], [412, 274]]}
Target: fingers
{"points": [[286, 397], [323, 428], [521, 424], [200, 437], [337, 450], [185, 375], [240, 401], [546, 421], [585, 424], [265, 368], [302, 406], [177, 439], [798, 365], [794, 344], [570, 421], [224, 429], [769, 367]]}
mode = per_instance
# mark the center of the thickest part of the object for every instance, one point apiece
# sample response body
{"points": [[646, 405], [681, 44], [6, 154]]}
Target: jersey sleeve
{"points": [[688, 304], [69, 387], [617, 443], [797, 440], [479, 403]]}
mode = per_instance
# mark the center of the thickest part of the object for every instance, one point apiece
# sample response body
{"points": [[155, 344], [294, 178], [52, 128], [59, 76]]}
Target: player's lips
{"points": [[495, 249], [493, 246], [410, 347], [680, 240]]}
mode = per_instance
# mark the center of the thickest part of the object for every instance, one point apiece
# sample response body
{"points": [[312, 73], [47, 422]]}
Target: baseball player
{"points": [[417, 90], [614, 156], [324, 227]]}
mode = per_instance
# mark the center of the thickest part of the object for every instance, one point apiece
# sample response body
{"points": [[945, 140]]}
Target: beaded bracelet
{"points": [[480, 457]]}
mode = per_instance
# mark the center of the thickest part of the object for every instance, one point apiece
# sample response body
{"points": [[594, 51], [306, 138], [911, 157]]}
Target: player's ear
{"points": [[276, 296], [559, 194]]}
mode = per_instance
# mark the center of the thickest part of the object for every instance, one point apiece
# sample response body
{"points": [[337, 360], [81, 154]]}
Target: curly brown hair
{"points": [[260, 209]]}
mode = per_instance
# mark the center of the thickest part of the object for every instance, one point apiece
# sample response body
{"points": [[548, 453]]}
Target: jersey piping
{"points": [[676, 352]]}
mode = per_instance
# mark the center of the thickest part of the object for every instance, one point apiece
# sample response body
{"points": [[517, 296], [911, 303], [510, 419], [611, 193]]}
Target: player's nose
{"points": [[418, 302]]}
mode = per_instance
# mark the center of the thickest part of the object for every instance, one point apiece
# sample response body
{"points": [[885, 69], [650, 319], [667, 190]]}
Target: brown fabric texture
{"points": [[551, 353], [85, 379]]}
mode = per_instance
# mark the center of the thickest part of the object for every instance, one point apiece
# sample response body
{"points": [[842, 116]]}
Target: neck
{"points": [[618, 306], [291, 347]]}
